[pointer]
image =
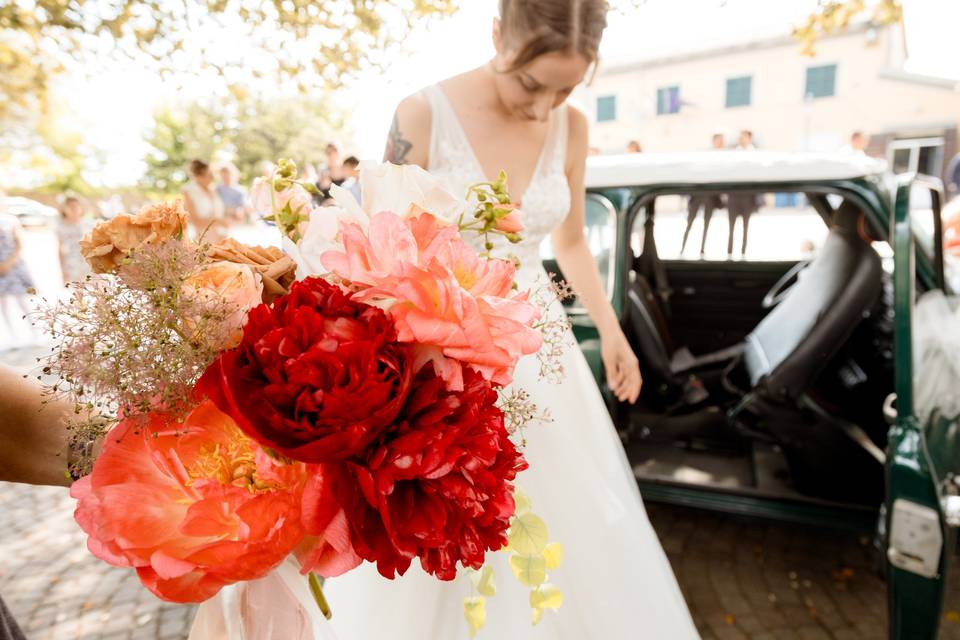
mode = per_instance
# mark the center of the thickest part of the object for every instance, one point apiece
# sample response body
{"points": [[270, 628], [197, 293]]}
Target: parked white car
{"points": [[29, 212]]}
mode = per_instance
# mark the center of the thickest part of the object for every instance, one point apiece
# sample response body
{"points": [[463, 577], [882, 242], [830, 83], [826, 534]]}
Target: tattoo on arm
{"points": [[397, 146]]}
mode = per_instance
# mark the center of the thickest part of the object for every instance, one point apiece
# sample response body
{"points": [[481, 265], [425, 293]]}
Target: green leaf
{"points": [[529, 569], [475, 612], [522, 503], [537, 616], [553, 554], [483, 581], [546, 596], [528, 534]]}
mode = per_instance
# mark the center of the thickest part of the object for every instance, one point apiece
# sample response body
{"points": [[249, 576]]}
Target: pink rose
{"points": [[265, 200], [236, 286], [510, 223]]}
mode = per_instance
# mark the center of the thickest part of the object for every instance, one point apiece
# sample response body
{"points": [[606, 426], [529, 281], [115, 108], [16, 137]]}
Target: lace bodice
{"points": [[547, 199]]}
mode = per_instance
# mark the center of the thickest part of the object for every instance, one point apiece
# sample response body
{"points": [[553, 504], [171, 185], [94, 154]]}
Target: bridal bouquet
{"points": [[342, 400]]}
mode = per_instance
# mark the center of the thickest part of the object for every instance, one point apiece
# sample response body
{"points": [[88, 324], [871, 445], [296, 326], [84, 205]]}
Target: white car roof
{"points": [[712, 167]]}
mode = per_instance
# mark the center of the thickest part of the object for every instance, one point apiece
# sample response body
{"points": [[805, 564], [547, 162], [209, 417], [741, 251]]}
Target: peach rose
{"points": [[109, 242], [235, 285], [276, 269]]}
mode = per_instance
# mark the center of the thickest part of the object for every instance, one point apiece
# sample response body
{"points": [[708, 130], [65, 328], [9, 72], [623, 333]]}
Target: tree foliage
{"points": [[246, 133], [317, 43], [833, 16]]}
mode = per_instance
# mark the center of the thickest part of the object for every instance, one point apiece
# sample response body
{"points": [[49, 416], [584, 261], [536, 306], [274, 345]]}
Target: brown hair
{"points": [[196, 167], [538, 27]]}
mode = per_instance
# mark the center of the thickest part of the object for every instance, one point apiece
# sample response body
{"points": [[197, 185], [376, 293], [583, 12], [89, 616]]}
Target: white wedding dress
{"points": [[615, 578]]}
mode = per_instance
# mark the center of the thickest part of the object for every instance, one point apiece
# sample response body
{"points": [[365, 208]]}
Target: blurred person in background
{"points": [[15, 280], [332, 174], [634, 147], [202, 202], [743, 204], [233, 198], [73, 225], [857, 145], [709, 203], [351, 171], [953, 176]]}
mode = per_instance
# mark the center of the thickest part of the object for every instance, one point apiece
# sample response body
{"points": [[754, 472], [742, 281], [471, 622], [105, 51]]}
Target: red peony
{"points": [[438, 485], [317, 376]]}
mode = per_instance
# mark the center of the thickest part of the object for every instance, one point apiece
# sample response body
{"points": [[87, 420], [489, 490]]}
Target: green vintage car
{"points": [[779, 380]]}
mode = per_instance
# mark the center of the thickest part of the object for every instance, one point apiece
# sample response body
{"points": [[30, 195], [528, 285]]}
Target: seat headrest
{"points": [[847, 217]]}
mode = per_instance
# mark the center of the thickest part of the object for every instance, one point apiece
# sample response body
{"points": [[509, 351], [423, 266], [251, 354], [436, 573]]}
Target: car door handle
{"points": [[890, 409]]}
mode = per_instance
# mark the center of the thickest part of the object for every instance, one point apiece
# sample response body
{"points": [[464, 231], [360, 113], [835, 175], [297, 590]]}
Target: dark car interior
{"points": [[757, 373]]}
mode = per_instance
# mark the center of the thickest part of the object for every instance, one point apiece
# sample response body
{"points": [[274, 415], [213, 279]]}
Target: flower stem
{"points": [[316, 588]]}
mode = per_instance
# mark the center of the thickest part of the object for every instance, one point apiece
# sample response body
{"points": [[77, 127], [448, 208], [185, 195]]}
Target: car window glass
{"points": [[599, 229], [921, 221], [780, 227]]}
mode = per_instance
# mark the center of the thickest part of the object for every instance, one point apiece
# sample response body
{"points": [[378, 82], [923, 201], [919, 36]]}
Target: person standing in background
{"points": [[202, 202], [71, 229], [709, 203], [953, 176], [351, 171], [742, 204], [15, 279], [858, 144], [233, 198], [634, 147], [332, 174]]}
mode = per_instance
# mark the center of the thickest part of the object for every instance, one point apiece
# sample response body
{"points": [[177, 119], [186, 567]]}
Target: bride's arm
{"points": [[580, 269], [409, 139]]}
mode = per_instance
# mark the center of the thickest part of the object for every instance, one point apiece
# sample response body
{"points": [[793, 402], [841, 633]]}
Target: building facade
{"points": [[790, 102]]}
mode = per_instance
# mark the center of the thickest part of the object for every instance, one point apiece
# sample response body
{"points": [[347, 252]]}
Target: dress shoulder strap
{"points": [[555, 146], [445, 131]]}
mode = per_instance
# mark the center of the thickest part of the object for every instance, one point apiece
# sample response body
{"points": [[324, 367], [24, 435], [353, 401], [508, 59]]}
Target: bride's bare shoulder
{"points": [[409, 139]]}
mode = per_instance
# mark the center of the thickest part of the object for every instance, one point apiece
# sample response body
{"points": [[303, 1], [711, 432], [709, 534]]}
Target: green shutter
{"points": [[739, 91], [606, 108], [821, 81]]}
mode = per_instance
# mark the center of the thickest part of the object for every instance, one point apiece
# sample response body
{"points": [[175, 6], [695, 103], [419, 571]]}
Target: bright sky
{"points": [[116, 107]]}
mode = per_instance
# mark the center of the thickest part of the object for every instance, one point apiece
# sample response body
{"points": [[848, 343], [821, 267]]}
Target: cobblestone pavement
{"points": [[58, 591], [743, 578], [762, 580]]}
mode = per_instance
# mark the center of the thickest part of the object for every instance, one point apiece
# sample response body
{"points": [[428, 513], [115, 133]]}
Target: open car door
{"points": [[923, 453]]}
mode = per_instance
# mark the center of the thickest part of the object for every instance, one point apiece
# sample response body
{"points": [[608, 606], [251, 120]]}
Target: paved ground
{"points": [[746, 578]]}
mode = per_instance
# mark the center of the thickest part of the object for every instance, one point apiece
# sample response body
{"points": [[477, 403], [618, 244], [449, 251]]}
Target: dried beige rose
{"points": [[276, 268], [109, 242]]}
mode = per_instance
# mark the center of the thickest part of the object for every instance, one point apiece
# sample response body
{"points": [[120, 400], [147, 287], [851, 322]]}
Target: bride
{"points": [[512, 115]]}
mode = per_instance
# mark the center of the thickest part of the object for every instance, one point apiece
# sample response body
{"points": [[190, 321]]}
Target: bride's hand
{"points": [[623, 370]]}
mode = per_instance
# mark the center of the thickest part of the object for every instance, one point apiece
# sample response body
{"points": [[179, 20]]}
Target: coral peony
{"points": [[192, 506], [233, 286], [109, 242], [438, 486], [316, 377], [457, 307]]}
